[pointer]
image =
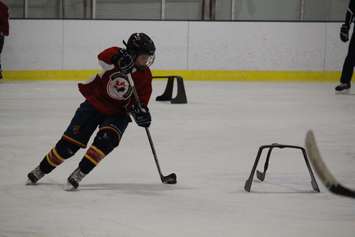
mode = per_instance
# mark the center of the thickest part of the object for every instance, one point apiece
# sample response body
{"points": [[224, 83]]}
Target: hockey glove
{"points": [[344, 32], [141, 115], [123, 61]]}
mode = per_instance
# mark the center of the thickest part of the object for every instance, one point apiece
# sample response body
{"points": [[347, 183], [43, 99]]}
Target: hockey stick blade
{"points": [[321, 169], [169, 179]]}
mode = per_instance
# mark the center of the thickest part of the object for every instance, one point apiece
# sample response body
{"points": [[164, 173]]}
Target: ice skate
{"points": [[34, 176], [74, 180], [343, 88]]}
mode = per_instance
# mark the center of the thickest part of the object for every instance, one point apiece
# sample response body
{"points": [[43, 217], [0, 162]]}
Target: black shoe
{"points": [[343, 86], [34, 176], [74, 184], [74, 180]]}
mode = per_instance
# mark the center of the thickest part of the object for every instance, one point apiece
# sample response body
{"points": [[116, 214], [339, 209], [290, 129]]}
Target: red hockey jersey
{"points": [[110, 93]]}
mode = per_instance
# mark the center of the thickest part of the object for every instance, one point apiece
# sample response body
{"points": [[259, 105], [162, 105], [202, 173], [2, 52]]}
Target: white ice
{"points": [[210, 143]]}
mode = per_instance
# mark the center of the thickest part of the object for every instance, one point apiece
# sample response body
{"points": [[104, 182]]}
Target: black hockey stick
{"points": [[171, 178], [321, 169]]}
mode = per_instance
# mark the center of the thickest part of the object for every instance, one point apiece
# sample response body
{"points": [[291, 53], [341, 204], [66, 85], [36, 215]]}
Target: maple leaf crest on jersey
{"points": [[118, 87]]}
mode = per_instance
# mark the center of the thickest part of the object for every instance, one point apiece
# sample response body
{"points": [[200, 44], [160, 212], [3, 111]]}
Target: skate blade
{"points": [[69, 187], [343, 92], [29, 182]]}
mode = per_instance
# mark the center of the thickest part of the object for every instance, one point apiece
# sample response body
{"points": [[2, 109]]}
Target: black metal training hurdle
{"points": [[261, 175], [180, 97]]}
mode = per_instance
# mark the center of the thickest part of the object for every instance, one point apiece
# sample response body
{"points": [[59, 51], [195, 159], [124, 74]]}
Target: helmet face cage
{"points": [[150, 60], [141, 44]]}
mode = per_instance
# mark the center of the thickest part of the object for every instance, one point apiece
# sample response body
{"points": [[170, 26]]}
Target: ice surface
{"points": [[210, 143]]}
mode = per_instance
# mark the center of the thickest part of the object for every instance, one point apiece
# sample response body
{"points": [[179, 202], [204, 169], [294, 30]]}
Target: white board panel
{"points": [[34, 45], [256, 46], [83, 40], [74, 44]]}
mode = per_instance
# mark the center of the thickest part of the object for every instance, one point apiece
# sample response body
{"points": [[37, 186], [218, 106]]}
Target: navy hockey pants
{"points": [[87, 119]]}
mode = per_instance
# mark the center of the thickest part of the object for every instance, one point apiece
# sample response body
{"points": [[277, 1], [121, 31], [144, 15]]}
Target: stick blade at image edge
{"points": [[170, 179], [322, 170]]}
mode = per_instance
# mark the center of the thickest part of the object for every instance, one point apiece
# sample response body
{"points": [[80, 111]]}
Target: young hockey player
{"points": [[108, 102], [349, 63]]}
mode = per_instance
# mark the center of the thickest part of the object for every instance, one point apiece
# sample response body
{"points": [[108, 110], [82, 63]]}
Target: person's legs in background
{"points": [[2, 39], [348, 67]]}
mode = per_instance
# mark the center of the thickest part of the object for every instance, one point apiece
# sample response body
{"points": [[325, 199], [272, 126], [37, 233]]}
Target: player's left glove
{"points": [[123, 61], [344, 32], [141, 115]]}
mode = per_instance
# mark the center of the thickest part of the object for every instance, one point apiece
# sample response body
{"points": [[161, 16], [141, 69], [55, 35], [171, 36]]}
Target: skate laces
{"points": [[77, 175], [37, 172]]}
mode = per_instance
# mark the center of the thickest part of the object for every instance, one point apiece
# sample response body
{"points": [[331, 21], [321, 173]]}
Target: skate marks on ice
{"points": [[345, 93], [151, 189], [133, 188], [209, 200]]}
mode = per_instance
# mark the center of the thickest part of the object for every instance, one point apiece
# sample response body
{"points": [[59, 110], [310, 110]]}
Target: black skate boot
{"points": [[34, 176], [74, 180], [343, 87]]}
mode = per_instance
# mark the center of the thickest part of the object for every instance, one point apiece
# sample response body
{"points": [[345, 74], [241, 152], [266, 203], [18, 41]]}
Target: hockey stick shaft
{"points": [[136, 97], [153, 151]]}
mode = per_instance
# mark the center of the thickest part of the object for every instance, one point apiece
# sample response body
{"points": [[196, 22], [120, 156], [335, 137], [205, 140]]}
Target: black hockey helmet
{"points": [[140, 43]]}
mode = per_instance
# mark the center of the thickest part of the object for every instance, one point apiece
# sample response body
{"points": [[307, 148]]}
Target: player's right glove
{"points": [[344, 32], [141, 115], [123, 61]]}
